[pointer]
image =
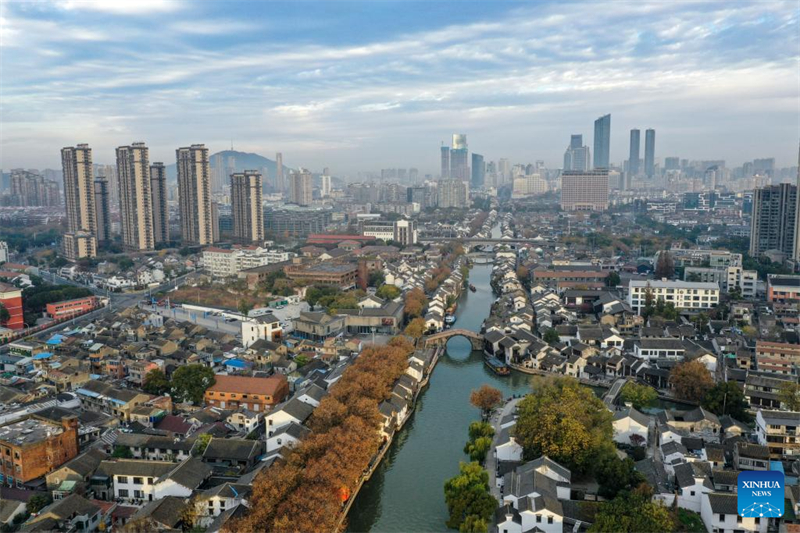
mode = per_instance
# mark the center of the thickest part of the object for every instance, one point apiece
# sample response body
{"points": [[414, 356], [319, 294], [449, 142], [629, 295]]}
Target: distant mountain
{"points": [[242, 161]]}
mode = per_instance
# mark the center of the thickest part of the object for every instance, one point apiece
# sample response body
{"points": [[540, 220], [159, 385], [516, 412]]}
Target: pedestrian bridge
{"points": [[441, 338]]}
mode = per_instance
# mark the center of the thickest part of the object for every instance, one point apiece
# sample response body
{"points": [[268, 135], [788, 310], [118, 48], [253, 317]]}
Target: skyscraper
{"points": [[650, 152], [325, 185], [81, 237], [452, 194], [584, 191], [445, 173], [102, 214], [633, 157], [280, 184], [459, 158], [774, 220], [194, 193], [576, 157], [797, 218], [135, 198], [158, 188], [300, 190], [602, 141], [478, 171], [246, 207]]}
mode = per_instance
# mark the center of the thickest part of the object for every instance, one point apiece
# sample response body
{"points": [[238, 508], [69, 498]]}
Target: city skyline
{"points": [[327, 97]]}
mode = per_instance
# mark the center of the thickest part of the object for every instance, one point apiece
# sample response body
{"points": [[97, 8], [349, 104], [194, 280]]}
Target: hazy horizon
{"points": [[363, 86]]}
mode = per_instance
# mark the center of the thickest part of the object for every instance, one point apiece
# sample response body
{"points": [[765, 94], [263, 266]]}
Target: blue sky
{"points": [[365, 85]]}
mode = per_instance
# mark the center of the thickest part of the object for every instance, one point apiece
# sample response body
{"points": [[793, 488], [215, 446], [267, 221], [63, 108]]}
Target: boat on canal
{"points": [[449, 319], [497, 366], [472, 287]]}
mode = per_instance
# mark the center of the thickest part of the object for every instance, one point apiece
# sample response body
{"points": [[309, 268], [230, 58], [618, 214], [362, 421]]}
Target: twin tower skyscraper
{"points": [[144, 214]]}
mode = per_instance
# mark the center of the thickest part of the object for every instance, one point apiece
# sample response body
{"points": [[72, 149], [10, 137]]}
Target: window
{"points": [[123, 493], [538, 519], [137, 481], [122, 479], [549, 519], [721, 517]]}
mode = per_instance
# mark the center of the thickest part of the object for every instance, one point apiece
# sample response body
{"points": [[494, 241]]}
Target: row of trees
{"points": [[307, 491]]}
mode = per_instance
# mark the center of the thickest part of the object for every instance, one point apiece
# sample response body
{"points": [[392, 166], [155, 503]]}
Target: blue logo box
{"points": [[761, 494]]}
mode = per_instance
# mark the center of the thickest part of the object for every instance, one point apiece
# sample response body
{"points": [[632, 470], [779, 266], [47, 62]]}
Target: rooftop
{"points": [[247, 385], [28, 432]]}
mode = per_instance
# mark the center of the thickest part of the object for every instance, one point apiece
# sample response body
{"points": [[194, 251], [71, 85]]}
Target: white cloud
{"points": [[122, 7]]}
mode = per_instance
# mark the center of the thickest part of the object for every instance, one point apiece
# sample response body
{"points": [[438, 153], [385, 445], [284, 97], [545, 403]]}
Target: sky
{"points": [[360, 86]]}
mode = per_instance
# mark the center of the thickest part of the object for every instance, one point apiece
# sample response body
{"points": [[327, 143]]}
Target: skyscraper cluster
{"points": [[635, 167], [577, 155], [29, 189]]}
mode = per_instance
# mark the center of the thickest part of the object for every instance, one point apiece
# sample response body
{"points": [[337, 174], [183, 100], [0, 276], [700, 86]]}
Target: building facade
{"points": [[633, 154], [80, 240], [135, 197], [158, 188], [11, 299], [300, 187], [246, 207], [194, 191], [584, 191], [684, 295], [602, 141], [650, 153], [774, 220], [101, 203], [32, 448]]}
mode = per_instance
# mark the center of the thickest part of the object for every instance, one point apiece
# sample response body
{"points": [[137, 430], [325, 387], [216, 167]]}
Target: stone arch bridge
{"points": [[441, 338]]}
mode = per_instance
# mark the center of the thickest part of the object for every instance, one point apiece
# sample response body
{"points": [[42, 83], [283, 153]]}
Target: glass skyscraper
{"points": [[650, 152], [602, 141]]}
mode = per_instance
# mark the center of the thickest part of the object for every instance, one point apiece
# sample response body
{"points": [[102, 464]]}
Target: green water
{"points": [[406, 491]]}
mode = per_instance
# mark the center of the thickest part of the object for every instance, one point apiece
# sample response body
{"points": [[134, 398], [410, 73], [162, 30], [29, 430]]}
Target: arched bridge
{"points": [[441, 338]]}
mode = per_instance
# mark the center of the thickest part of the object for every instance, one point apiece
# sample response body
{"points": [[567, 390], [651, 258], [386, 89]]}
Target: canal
{"points": [[406, 492]]}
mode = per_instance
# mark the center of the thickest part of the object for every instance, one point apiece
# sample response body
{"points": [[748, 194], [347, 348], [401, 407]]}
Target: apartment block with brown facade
{"points": [[777, 357], [255, 394], [34, 447]]}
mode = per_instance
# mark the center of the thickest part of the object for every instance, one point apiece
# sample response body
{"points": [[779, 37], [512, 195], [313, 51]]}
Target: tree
{"points": [[37, 502], [387, 292], [701, 321], [301, 360], [613, 279], [156, 382], [122, 452], [615, 475], [5, 316], [665, 265], [638, 396], [467, 495], [416, 302], [245, 306], [190, 382], [789, 395], [201, 444], [564, 421], [632, 512], [376, 279], [551, 336], [416, 328], [691, 380], [727, 398], [486, 399], [478, 448]]}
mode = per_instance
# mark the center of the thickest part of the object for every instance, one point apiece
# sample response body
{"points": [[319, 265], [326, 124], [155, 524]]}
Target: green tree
{"points": [[467, 495], [122, 452], [301, 360], [478, 448], [156, 382], [564, 421], [5, 316], [37, 502], [632, 512], [551, 336], [480, 429], [639, 396], [190, 382], [665, 265], [201, 444], [727, 398], [387, 292], [613, 279], [317, 292], [376, 279], [244, 306], [789, 395], [615, 475]]}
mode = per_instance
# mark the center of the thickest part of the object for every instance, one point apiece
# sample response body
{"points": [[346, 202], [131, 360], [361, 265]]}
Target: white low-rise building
{"points": [[222, 263], [684, 295]]}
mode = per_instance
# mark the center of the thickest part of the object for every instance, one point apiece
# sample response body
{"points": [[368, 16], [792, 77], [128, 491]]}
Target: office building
{"points": [[684, 295], [80, 240], [300, 187], [459, 154], [194, 192], [246, 207], [158, 189], [774, 220], [577, 156], [445, 173], [478, 171], [135, 198], [402, 232], [280, 183], [650, 153], [101, 205], [584, 191], [325, 186], [452, 193], [602, 141], [633, 157]]}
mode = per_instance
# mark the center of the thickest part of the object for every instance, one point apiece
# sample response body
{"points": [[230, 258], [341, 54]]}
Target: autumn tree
{"points": [[564, 421], [691, 380], [415, 303], [665, 265], [727, 398], [637, 395], [416, 328], [486, 399], [156, 382], [789, 395]]}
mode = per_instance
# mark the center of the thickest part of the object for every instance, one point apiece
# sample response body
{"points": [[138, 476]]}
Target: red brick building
{"points": [[11, 299], [69, 308], [255, 394], [34, 447]]}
